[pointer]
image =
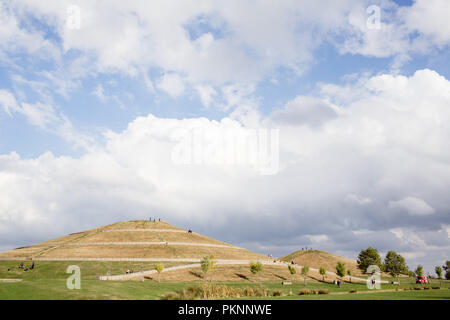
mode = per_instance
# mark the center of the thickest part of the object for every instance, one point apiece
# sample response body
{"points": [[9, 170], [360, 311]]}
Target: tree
{"points": [[349, 272], [447, 269], [323, 272], [340, 269], [419, 271], [438, 271], [208, 264], [159, 268], [395, 265], [367, 258], [256, 267], [292, 270], [304, 272]]}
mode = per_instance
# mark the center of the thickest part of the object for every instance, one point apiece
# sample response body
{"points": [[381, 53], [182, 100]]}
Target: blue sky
{"points": [[74, 91]]}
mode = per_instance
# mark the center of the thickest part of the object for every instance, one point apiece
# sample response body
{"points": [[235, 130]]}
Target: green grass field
{"points": [[48, 281]]}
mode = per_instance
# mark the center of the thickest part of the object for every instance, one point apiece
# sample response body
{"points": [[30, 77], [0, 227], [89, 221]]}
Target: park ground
{"points": [[48, 282]]}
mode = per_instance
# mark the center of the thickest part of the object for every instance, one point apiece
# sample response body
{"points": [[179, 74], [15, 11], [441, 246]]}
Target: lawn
{"points": [[48, 281]]}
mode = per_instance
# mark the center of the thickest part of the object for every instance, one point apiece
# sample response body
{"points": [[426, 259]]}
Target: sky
{"points": [[270, 125]]}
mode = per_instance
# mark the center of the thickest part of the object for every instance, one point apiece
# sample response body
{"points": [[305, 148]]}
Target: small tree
{"points": [[367, 258], [256, 267], [208, 264], [159, 268], [447, 269], [349, 273], [340, 269], [304, 272], [438, 270], [419, 271], [323, 272], [292, 270], [395, 264]]}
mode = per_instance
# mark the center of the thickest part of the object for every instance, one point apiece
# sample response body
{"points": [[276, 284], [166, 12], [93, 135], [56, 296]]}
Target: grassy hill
{"points": [[140, 239], [317, 259]]}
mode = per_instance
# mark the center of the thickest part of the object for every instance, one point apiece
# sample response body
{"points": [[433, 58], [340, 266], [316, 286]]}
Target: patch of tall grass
{"points": [[211, 291]]}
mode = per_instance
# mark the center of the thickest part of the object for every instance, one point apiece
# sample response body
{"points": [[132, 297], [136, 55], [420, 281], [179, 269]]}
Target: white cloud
{"points": [[206, 94], [172, 84], [356, 199], [99, 93], [14, 37], [8, 102], [412, 205], [305, 110], [249, 39], [368, 154], [39, 114], [45, 117], [430, 19]]}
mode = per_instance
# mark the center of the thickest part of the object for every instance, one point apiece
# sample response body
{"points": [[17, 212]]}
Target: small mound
{"points": [[318, 258]]}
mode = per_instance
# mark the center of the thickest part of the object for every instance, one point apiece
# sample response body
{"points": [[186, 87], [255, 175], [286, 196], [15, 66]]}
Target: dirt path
{"points": [[118, 243], [145, 230]]}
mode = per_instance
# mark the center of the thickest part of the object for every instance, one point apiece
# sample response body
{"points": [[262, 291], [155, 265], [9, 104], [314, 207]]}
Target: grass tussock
{"points": [[310, 291], [277, 293], [209, 291]]}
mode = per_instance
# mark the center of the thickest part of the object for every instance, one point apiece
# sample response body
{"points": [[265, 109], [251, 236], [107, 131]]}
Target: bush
{"points": [[306, 291], [418, 288], [352, 291], [323, 292], [436, 288], [426, 288], [277, 293]]}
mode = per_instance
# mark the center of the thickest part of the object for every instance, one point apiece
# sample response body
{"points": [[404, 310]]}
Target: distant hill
{"points": [[128, 240], [317, 259]]}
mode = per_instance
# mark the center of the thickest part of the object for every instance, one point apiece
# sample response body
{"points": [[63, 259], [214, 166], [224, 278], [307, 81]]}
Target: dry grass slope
{"points": [[241, 273], [89, 244]]}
